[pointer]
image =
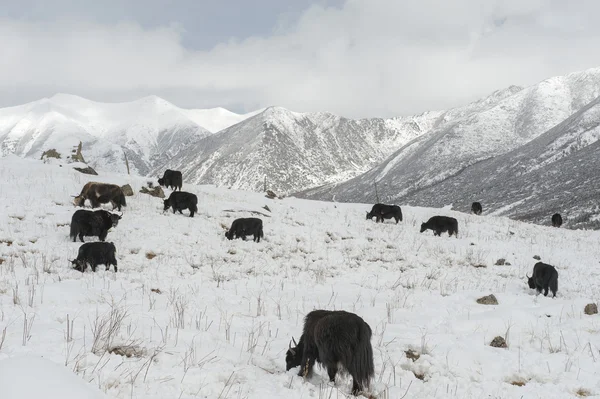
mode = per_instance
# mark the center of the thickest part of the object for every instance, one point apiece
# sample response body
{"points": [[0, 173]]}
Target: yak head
{"points": [[166, 205], [77, 264], [293, 356], [423, 227], [114, 218], [369, 216], [530, 282], [161, 181], [78, 200], [229, 235]]}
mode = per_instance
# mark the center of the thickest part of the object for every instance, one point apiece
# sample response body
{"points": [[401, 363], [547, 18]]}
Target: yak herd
{"points": [[334, 339]]}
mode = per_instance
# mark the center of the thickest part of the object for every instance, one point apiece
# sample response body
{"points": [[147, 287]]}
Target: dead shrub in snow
{"points": [[150, 255], [581, 392], [127, 350], [519, 382], [412, 355], [105, 329]]}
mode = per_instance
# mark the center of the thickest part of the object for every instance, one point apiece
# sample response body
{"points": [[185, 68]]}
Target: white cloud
{"points": [[369, 58]]}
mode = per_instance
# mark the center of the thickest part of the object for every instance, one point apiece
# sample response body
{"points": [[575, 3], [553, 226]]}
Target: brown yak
{"points": [[101, 193]]}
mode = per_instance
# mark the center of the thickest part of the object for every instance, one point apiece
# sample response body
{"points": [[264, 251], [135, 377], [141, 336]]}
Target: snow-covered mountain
{"points": [[442, 157], [150, 130], [295, 150], [555, 172]]}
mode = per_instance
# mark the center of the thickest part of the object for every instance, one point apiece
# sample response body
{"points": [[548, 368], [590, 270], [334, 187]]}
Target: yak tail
{"points": [[122, 199], [74, 230], [361, 364], [553, 284]]}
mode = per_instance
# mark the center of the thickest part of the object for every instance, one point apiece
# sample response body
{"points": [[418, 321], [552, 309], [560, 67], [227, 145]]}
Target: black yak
{"points": [[441, 224], [243, 227], [544, 277], [94, 254], [476, 208], [101, 193], [556, 220], [172, 179], [334, 339], [179, 200], [92, 223], [382, 211]]}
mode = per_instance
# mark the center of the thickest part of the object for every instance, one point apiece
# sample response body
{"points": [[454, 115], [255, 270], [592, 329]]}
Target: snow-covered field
{"points": [[204, 317]]}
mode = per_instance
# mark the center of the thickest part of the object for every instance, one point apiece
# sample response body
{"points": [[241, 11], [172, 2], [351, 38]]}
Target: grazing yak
{"points": [[556, 220], [243, 227], [335, 339], [94, 254], [476, 208], [101, 193], [179, 200], [92, 223], [441, 224], [544, 277], [171, 179], [382, 211]]}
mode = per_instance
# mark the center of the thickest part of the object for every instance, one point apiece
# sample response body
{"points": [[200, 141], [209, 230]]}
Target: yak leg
{"points": [[332, 370], [191, 212], [356, 389], [80, 237]]}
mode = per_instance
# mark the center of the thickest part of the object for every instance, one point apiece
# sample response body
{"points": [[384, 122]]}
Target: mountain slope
{"points": [[149, 130], [446, 151], [556, 172], [294, 150]]}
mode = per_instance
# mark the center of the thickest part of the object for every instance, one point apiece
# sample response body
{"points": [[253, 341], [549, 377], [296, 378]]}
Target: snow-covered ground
{"points": [[204, 317]]}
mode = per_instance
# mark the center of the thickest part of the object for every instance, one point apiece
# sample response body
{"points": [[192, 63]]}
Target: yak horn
{"points": [[294, 341]]}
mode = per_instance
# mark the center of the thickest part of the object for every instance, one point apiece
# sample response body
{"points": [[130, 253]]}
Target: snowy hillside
{"points": [[556, 172], [205, 317], [294, 150], [150, 130], [495, 129]]}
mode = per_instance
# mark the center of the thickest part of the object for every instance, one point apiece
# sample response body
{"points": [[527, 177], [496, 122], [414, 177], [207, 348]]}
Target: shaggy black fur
{"points": [[383, 211], [94, 254], [179, 200], [92, 223], [544, 277], [172, 179], [441, 224], [334, 339], [243, 227]]}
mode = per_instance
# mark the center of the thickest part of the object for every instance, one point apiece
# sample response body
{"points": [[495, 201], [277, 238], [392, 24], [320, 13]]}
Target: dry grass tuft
{"points": [[412, 355], [156, 290], [150, 255], [127, 350], [581, 392], [7, 242]]}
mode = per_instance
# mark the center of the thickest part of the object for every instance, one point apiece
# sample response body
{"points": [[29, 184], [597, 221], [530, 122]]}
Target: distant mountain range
{"points": [[522, 152], [525, 155], [150, 130]]}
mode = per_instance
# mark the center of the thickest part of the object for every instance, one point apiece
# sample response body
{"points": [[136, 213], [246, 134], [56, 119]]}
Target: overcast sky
{"points": [[357, 58]]}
